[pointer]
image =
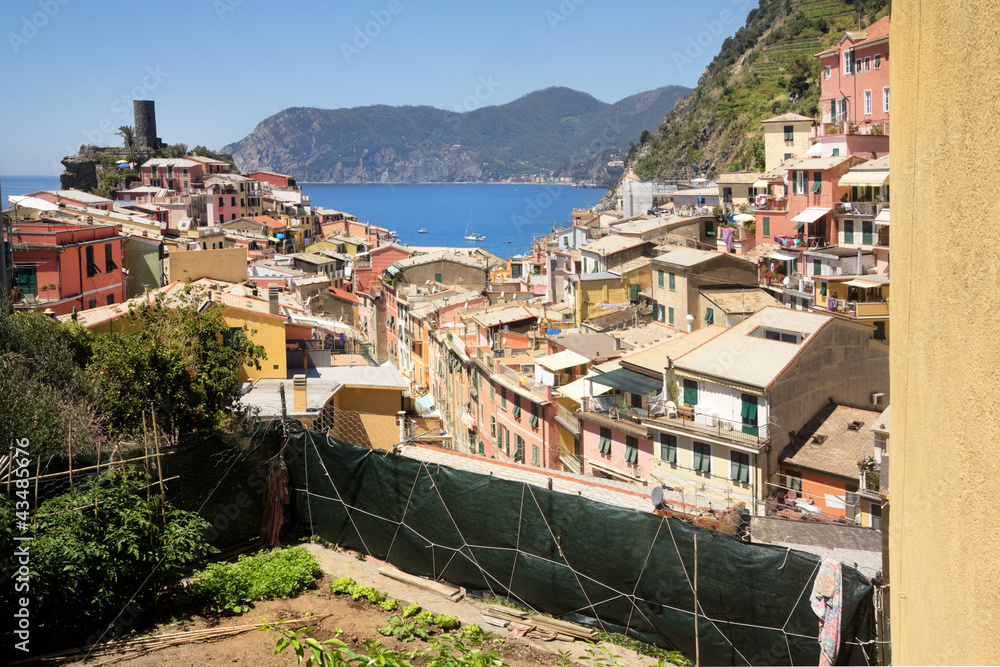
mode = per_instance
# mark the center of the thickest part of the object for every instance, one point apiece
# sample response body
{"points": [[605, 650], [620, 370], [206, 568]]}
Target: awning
{"points": [[783, 256], [761, 184], [629, 381], [882, 218], [863, 179], [561, 360], [810, 215], [424, 404], [855, 282], [577, 389], [393, 271]]}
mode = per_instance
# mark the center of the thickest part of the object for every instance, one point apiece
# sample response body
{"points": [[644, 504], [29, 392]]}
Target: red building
{"points": [[281, 181], [855, 82], [63, 266]]}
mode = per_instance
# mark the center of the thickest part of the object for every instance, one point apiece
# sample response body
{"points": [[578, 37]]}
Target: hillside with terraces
{"points": [[767, 68]]}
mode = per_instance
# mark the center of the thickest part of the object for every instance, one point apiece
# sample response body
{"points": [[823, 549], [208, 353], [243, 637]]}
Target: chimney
{"points": [[299, 393], [272, 299]]}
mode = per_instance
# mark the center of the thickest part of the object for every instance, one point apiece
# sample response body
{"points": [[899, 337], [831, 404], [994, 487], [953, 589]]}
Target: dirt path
{"points": [[359, 621]]}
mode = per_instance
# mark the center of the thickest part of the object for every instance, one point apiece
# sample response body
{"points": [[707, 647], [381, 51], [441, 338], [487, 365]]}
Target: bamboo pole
{"points": [[145, 449], [52, 475], [97, 486], [10, 467], [159, 465], [69, 442], [77, 509], [697, 646], [34, 516]]}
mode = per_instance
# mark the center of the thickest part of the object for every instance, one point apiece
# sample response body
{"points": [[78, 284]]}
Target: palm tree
{"points": [[175, 150], [127, 133]]}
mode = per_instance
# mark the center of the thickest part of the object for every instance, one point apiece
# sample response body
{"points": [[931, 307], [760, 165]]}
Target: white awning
{"points": [[855, 282], [577, 389], [816, 150], [863, 179], [883, 217], [782, 256], [809, 216], [561, 360]]}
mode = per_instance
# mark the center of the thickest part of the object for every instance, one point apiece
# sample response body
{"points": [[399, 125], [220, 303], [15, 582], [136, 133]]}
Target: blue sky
{"points": [[216, 68]]}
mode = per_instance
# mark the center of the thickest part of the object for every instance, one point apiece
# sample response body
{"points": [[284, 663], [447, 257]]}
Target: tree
{"points": [[798, 82], [175, 150], [181, 357], [127, 133]]}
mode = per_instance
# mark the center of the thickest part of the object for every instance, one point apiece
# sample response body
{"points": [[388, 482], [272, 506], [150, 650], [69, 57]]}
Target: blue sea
{"points": [[501, 213]]}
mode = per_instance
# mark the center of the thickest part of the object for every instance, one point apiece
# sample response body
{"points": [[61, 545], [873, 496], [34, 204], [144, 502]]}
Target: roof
{"points": [[787, 118], [577, 389], [561, 360], [610, 245], [321, 385], [739, 301], [761, 360], [171, 162], [589, 345], [440, 256], [694, 192], [603, 275], [647, 334], [642, 225], [515, 313], [738, 178], [844, 440], [269, 222], [632, 265], [685, 257], [343, 294], [818, 163], [876, 31], [881, 424], [654, 357], [79, 195]]}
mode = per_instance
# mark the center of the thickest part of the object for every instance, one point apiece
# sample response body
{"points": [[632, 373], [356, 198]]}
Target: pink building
{"points": [[222, 203], [855, 82], [177, 174], [74, 198], [275, 180], [615, 449], [65, 266]]}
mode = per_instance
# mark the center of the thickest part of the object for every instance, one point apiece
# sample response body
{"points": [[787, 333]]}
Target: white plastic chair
{"points": [[671, 409]]}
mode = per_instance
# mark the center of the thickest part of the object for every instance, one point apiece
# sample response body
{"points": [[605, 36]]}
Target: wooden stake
{"points": [[159, 466], [97, 487], [38, 471], [10, 466], [145, 449], [697, 647], [69, 442]]}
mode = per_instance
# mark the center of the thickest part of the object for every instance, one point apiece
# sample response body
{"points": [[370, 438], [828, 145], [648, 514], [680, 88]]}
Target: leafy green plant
{"points": [[411, 610], [229, 588], [642, 648], [454, 652], [418, 625], [474, 634], [389, 604]]}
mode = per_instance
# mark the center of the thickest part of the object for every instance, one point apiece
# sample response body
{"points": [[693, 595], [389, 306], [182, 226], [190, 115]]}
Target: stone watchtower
{"points": [[145, 124]]}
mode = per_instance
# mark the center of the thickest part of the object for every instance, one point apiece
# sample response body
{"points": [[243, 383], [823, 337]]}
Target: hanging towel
{"points": [[343, 340], [826, 598], [727, 236]]}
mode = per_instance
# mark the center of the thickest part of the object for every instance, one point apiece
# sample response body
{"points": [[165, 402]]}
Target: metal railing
{"points": [[707, 424], [860, 208]]}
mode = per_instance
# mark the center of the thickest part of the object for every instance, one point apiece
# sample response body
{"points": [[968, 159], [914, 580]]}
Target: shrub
{"points": [[229, 588]]}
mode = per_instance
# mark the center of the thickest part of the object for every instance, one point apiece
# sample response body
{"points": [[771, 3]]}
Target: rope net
{"points": [[618, 569]]}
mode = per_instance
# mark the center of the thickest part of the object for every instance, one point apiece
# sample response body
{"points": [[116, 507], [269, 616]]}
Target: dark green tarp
{"points": [[589, 562]]}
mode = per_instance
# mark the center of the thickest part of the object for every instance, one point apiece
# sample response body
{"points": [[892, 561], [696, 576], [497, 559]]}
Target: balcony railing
{"points": [[855, 308], [860, 208], [520, 380], [800, 241], [770, 204], [869, 481], [708, 424]]}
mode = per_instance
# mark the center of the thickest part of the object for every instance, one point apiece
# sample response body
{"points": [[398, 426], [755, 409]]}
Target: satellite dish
{"points": [[656, 495]]}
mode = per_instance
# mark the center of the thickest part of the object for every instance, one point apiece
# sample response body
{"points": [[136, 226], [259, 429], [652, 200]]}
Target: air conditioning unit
{"points": [[878, 398]]}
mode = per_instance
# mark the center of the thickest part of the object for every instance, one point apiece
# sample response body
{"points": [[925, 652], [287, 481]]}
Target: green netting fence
{"points": [[584, 561]]}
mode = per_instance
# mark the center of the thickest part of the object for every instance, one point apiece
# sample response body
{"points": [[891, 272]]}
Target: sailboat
{"points": [[470, 235]]}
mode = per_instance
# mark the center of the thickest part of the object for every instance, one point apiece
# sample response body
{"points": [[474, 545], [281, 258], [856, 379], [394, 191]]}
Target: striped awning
{"points": [[865, 179], [882, 218], [810, 215]]}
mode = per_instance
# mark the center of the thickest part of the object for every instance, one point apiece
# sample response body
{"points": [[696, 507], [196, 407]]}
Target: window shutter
{"points": [[848, 231], [817, 267], [670, 313], [673, 282], [767, 226], [691, 392]]}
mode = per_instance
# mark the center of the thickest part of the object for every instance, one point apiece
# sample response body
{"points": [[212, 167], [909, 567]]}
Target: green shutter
{"points": [[437, 277], [817, 185], [659, 278], [817, 267], [709, 316], [668, 448], [673, 282], [767, 226], [631, 449], [848, 231], [533, 420], [833, 111], [634, 292], [748, 412], [866, 232], [690, 392], [670, 313]]}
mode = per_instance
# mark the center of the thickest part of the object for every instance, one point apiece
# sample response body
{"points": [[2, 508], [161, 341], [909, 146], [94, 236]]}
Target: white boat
{"points": [[421, 231], [471, 235]]}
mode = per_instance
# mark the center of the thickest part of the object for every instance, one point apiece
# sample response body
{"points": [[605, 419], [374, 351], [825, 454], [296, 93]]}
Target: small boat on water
{"points": [[470, 234], [422, 230]]}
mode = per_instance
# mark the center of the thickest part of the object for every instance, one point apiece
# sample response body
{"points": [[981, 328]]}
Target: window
{"points": [[793, 480], [867, 232], [690, 392], [109, 262], [878, 61], [828, 71], [633, 291], [668, 448], [817, 182], [836, 152], [517, 406], [92, 303], [727, 195], [857, 64], [789, 133], [672, 282], [767, 226], [493, 428], [868, 103], [111, 299], [92, 269], [670, 316], [702, 457], [817, 267], [233, 203], [833, 111], [748, 412], [534, 415], [437, 278], [659, 278], [709, 316], [868, 63], [885, 99], [799, 184], [27, 280], [503, 398], [636, 400], [536, 459], [631, 450], [605, 442], [848, 231], [506, 440], [788, 156], [739, 467], [848, 59], [709, 226], [843, 108], [242, 203]]}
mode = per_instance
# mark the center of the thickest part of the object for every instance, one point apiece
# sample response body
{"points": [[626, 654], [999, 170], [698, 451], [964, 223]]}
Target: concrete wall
{"points": [[267, 331], [943, 569], [227, 264], [452, 273]]}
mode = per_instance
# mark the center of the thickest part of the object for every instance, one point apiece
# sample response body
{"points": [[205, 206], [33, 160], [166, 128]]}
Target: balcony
{"points": [[869, 483], [698, 424], [857, 309], [800, 241], [770, 204], [520, 381], [860, 208]]}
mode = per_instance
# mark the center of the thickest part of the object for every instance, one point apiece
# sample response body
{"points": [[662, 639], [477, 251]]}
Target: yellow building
{"points": [[736, 190], [858, 298], [591, 291], [678, 274], [943, 565], [785, 137]]}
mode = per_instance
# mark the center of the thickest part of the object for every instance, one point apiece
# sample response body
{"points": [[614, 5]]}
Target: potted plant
{"points": [[767, 276]]}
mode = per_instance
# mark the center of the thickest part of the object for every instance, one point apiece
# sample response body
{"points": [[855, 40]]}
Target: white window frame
{"points": [[857, 65], [868, 63], [868, 103], [801, 182], [827, 71], [885, 99], [878, 61], [847, 63]]}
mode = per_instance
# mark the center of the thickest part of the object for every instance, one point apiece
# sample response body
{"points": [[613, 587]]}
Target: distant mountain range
{"points": [[555, 131]]}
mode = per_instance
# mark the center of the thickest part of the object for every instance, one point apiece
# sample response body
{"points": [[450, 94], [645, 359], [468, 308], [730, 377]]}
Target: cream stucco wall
{"points": [[775, 146], [944, 573]]}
